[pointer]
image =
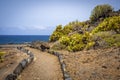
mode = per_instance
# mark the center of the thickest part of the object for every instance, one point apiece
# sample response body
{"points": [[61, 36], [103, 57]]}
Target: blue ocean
{"points": [[17, 39]]}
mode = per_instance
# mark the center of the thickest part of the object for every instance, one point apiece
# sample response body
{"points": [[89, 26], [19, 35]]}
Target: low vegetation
{"points": [[56, 34], [91, 34], [109, 24], [1, 54]]}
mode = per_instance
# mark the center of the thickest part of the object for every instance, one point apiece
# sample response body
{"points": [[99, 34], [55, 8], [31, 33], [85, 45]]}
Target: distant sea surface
{"points": [[13, 39]]}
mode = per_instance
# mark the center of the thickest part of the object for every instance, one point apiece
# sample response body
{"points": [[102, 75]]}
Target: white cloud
{"points": [[33, 27], [39, 27]]}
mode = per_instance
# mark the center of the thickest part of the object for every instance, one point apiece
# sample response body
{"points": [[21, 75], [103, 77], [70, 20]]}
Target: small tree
{"points": [[100, 11]]}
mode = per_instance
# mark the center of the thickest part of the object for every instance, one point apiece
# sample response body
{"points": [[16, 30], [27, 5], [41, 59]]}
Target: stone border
{"points": [[66, 76], [22, 65]]}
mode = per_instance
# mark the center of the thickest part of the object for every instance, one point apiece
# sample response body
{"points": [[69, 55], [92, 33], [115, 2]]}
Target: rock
{"points": [[40, 45], [18, 69], [50, 51], [44, 46], [60, 59], [68, 79], [11, 77], [66, 75], [118, 67], [56, 53], [24, 63], [28, 52], [31, 54], [105, 67], [63, 67], [25, 50]]}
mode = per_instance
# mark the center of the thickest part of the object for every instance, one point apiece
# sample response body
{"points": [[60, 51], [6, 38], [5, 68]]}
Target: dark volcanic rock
{"points": [[40, 45], [11, 77], [44, 46]]}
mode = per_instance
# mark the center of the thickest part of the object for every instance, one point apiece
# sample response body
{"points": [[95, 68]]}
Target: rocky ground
{"points": [[11, 60], [101, 64]]}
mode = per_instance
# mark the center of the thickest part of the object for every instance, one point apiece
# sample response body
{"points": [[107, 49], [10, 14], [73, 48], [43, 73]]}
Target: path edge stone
{"points": [[22, 64], [66, 76]]}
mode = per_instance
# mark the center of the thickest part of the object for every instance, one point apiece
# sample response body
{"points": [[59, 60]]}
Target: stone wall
{"points": [[23, 64]]}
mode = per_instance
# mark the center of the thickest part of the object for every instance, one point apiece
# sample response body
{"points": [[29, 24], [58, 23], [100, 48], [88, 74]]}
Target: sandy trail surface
{"points": [[44, 67]]}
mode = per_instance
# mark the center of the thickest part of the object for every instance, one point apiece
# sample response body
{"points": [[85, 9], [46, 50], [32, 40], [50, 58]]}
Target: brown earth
{"points": [[11, 60], [44, 67], [101, 64]]}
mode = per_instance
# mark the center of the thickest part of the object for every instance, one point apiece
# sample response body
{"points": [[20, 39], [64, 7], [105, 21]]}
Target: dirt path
{"points": [[45, 67]]}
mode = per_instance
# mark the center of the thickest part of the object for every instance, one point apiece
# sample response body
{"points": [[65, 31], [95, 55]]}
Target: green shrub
{"points": [[90, 45], [1, 54], [76, 36], [76, 47], [106, 38], [58, 46], [87, 36], [65, 40], [76, 39], [67, 29], [113, 40], [100, 11], [59, 28], [56, 34], [111, 23], [73, 42], [76, 42], [102, 35]]}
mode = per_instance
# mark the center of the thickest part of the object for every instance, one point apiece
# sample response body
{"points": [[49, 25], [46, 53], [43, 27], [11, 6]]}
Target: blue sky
{"points": [[40, 17]]}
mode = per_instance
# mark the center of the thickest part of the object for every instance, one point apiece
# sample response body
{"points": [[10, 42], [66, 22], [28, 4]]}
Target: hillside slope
{"points": [[103, 32]]}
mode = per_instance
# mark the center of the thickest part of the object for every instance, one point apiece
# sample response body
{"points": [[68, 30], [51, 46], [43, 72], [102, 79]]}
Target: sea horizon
{"points": [[22, 34], [20, 39]]}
